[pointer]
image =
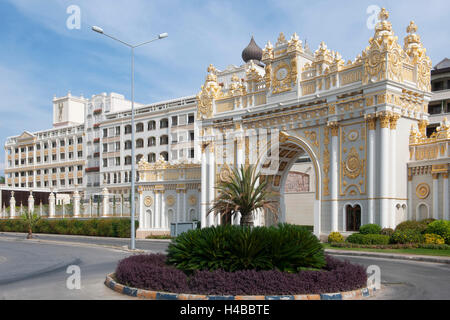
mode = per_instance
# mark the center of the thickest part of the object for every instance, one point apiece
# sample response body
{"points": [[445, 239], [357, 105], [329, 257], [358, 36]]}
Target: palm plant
{"points": [[243, 192], [30, 219]]}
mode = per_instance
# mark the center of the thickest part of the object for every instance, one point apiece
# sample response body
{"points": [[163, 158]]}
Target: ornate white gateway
{"points": [[352, 119]]}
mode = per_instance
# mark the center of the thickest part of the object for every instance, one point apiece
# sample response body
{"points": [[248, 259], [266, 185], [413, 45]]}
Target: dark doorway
{"points": [[353, 218]]}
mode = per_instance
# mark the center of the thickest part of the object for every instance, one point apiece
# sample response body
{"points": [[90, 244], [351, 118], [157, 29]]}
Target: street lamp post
{"points": [[133, 159]]}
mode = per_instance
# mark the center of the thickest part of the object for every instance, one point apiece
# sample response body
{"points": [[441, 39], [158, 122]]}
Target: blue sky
{"points": [[41, 57]]}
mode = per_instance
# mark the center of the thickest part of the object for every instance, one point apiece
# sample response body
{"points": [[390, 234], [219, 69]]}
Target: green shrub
{"points": [[418, 226], [440, 227], [387, 231], [114, 227], [370, 229], [432, 238], [428, 220], [335, 237], [368, 239], [285, 247], [406, 236]]}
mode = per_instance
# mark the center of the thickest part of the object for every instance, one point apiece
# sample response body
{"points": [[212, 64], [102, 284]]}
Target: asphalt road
{"points": [[37, 270]]}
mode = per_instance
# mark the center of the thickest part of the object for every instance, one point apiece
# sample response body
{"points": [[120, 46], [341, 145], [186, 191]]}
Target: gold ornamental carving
{"points": [[422, 191], [170, 200], [193, 200], [353, 166], [148, 201], [210, 91], [225, 174]]}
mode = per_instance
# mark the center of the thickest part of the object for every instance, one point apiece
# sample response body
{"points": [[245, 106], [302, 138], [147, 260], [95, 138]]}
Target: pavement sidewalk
{"points": [[397, 256]]}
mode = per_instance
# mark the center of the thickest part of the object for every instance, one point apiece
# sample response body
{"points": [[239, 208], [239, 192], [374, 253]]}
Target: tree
{"points": [[2, 179], [30, 220], [243, 192]]}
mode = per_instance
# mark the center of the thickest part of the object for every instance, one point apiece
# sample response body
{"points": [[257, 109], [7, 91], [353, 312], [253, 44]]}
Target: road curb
{"points": [[156, 295], [81, 244], [433, 259]]}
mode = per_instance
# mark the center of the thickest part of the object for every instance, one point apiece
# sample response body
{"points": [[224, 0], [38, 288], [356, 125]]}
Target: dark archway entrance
{"points": [[353, 217]]}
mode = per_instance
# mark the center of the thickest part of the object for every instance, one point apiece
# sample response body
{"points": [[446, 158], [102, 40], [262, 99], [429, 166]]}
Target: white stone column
{"points": [[12, 205], [435, 195], [185, 207], [372, 123], [203, 194], [164, 215], [51, 205], [76, 204], [142, 224], [334, 176], [393, 170], [240, 157], [31, 203], [105, 201], [410, 195], [384, 170], [157, 209], [445, 205], [211, 180], [178, 217]]}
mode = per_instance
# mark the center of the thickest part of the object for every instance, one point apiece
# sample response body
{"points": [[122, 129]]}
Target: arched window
{"points": [[128, 129], [353, 218], [128, 145], [127, 160], [138, 157], [139, 143], [164, 123], [165, 156], [126, 176], [192, 215], [140, 127], [151, 125], [164, 140], [151, 157], [151, 141]]}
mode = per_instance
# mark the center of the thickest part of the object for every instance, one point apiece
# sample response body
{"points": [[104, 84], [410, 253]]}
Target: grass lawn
{"points": [[418, 251]]}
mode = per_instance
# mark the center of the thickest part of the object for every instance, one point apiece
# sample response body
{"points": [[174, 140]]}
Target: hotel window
{"points": [[70, 142], [30, 160], [80, 140], [117, 161], [128, 129], [80, 180], [151, 141], [191, 135], [62, 169], [17, 162], [38, 184], [70, 181], [54, 157], [191, 151], [182, 119], [70, 169], [45, 171], [70, 155], [174, 121], [79, 168], [151, 125], [45, 183], [38, 147], [62, 143], [63, 182], [127, 160], [17, 150], [117, 131], [139, 127], [164, 123], [127, 145], [45, 145], [105, 133], [117, 146], [151, 157], [191, 118], [105, 163], [164, 140], [54, 183], [53, 144], [30, 148], [105, 147], [53, 170], [22, 161], [62, 156], [80, 154], [165, 156], [138, 157], [45, 158]]}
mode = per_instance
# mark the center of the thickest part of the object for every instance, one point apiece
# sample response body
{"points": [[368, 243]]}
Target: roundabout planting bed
{"points": [[232, 262]]}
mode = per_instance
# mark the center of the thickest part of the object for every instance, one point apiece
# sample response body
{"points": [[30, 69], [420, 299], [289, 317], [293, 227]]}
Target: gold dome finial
{"points": [[412, 28], [384, 14]]}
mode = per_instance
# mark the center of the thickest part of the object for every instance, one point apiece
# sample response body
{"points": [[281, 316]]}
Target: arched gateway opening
{"points": [[288, 185]]}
